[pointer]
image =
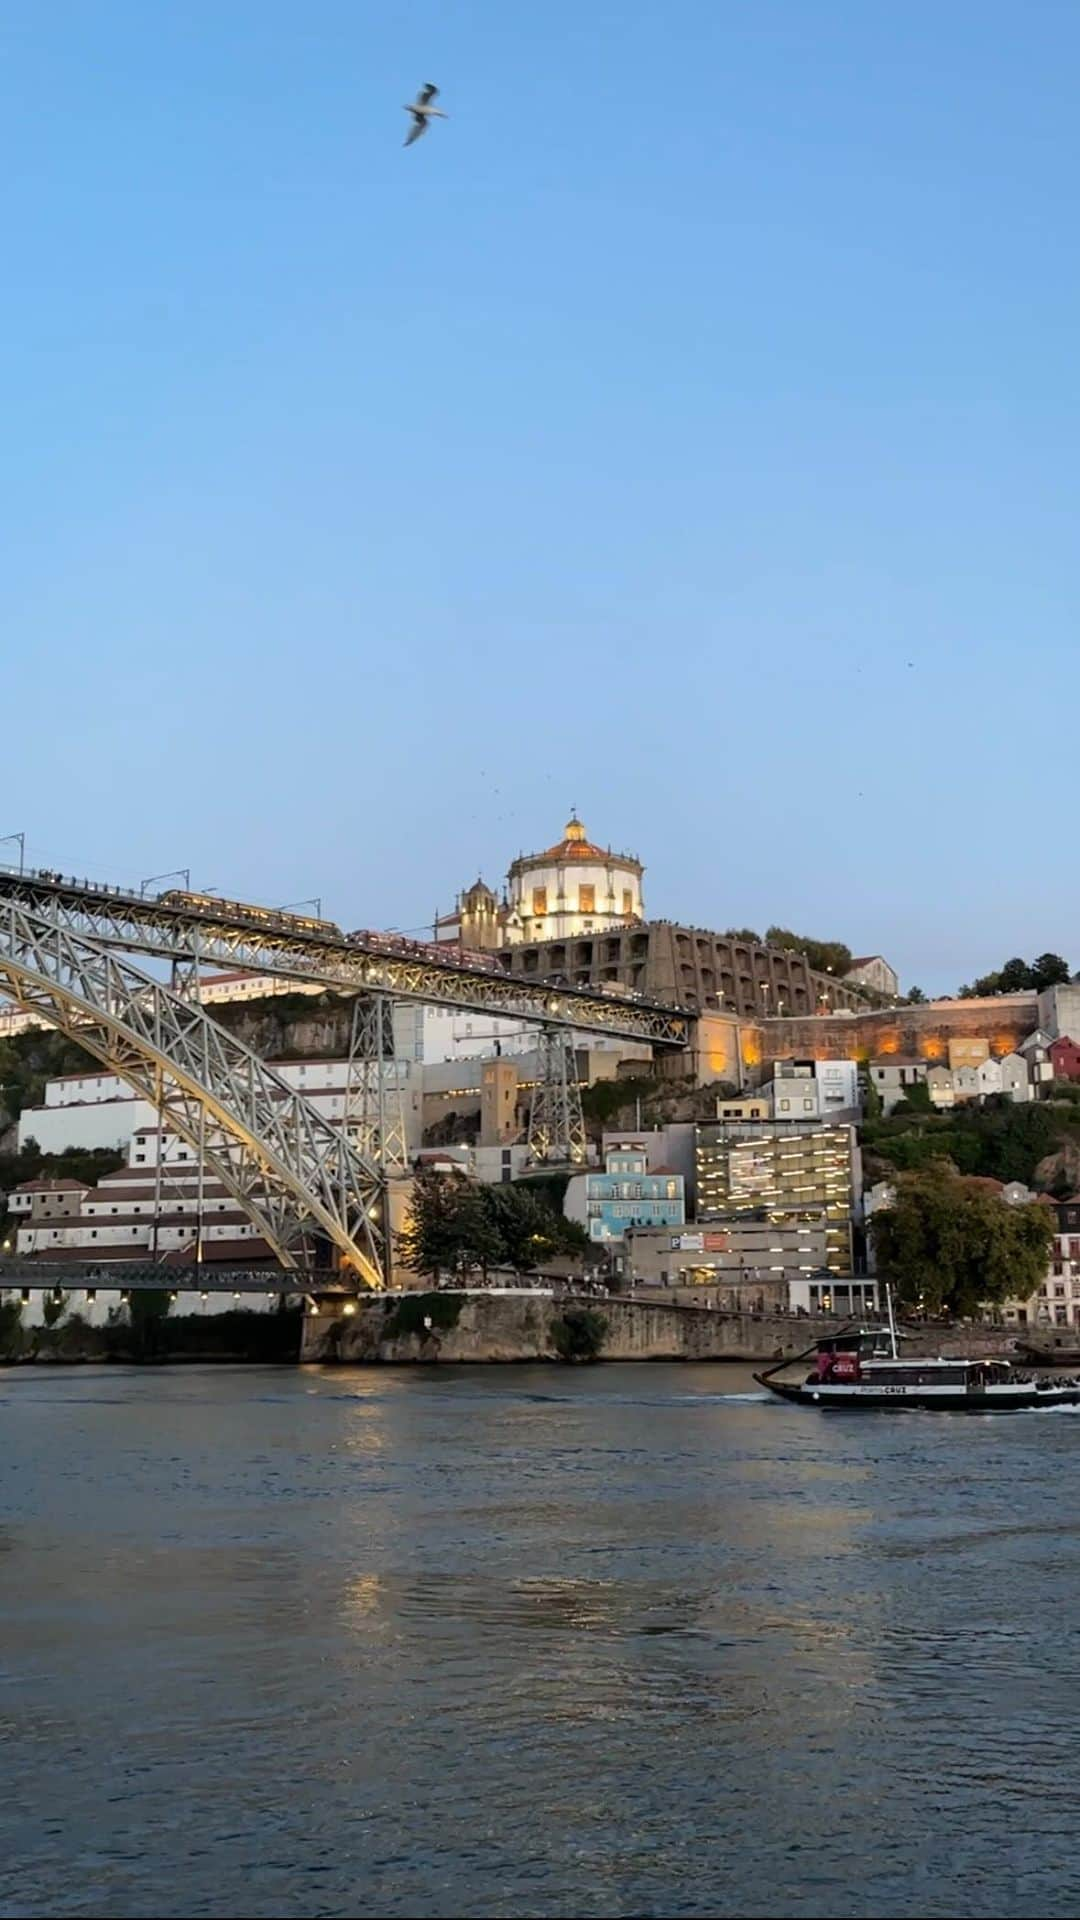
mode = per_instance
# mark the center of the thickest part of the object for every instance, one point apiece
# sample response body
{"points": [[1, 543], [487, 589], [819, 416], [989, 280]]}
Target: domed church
{"points": [[573, 887], [570, 888]]}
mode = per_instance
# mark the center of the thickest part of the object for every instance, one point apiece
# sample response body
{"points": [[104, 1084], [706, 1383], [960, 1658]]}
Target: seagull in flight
{"points": [[422, 112]]}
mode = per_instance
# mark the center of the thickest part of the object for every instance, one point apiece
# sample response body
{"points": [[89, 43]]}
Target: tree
{"points": [[604, 1100], [578, 1334], [456, 1226], [825, 956], [916, 997], [450, 1227], [1049, 970], [948, 1245], [1015, 975], [148, 1310], [528, 1230]]}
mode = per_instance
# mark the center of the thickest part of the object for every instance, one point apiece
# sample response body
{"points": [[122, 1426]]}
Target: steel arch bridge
{"points": [[288, 1168], [63, 948], [116, 918]]}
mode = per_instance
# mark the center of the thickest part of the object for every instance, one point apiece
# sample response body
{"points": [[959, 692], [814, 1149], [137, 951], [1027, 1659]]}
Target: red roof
{"points": [[53, 1186], [245, 1252]]}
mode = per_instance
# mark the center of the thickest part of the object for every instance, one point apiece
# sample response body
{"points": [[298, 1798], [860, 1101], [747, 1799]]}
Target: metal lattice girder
{"points": [[374, 1110], [556, 1123], [114, 918], [132, 1276], [273, 1150]]}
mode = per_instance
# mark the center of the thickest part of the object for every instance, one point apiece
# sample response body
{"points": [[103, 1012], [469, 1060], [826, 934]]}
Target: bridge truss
{"points": [[292, 1172], [113, 918]]}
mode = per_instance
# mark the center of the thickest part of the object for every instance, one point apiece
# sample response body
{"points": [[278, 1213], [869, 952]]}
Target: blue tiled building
{"points": [[626, 1194]]}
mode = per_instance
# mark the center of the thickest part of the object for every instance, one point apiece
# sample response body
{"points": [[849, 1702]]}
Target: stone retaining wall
{"points": [[493, 1327]]}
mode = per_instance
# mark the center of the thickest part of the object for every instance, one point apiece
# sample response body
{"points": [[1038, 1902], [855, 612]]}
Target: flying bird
{"points": [[423, 112]]}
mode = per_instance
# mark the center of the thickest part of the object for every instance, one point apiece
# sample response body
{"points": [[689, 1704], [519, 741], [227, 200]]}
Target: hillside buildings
{"points": [[157, 1207]]}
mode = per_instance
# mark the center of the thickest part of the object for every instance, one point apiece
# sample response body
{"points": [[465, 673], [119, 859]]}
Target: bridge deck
{"points": [[115, 917]]}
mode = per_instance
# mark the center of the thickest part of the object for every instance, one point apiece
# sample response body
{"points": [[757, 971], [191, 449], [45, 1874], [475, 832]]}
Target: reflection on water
{"points": [[619, 1642]]}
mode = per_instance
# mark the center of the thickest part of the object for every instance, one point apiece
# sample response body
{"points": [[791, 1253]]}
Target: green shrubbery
{"points": [[579, 1334], [408, 1315]]}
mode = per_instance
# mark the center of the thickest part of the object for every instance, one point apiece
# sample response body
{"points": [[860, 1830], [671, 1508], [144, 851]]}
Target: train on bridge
{"points": [[279, 920]]}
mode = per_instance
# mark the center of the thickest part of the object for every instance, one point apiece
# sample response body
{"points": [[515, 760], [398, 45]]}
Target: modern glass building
{"points": [[785, 1175]]}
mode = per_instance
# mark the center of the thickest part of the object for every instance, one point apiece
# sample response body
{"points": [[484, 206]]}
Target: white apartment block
{"points": [[98, 1110]]}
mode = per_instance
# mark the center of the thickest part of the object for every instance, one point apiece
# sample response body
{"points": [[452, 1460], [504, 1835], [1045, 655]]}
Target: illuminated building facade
{"points": [[574, 887], [791, 1175]]}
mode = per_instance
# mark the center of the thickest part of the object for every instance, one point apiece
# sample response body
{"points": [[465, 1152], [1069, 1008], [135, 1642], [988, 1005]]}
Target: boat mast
{"points": [[892, 1322]]}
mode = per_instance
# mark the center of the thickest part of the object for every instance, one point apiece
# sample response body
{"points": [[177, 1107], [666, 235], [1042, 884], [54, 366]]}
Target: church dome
{"points": [[575, 845]]}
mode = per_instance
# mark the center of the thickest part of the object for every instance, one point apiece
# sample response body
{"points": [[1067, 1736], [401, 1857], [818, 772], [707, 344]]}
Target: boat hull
{"points": [[1024, 1397]]}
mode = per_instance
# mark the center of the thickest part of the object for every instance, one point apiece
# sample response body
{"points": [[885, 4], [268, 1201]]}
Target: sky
{"points": [[687, 431]]}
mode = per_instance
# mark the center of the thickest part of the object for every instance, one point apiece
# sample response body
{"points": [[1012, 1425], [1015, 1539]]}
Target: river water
{"points": [[530, 1641]]}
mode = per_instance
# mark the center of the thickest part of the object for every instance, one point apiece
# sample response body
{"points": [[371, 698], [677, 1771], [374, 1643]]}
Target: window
{"points": [[539, 900], [627, 900], [586, 899], [785, 1105]]}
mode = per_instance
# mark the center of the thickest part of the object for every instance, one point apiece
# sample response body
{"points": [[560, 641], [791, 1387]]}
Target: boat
{"points": [[860, 1370]]}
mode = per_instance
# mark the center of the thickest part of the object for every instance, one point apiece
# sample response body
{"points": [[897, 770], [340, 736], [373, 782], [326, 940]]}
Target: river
{"points": [[530, 1641]]}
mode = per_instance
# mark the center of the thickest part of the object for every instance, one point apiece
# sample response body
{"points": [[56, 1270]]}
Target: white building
{"points": [[1057, 1301], [121, 1219], [795, 1095], [988, 1075], [433, 1036], [573, 887], [939, 1083], [870, 970], [893, 1075], [813, 1090], [838, 1088], [1015, 1079], [88, 1110], [91, 1110]]}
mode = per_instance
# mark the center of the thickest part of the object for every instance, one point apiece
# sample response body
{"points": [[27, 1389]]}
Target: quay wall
{"points": [[493, 1328]]}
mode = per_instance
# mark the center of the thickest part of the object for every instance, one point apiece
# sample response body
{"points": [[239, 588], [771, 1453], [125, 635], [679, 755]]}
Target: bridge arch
{"points": [[281, 1160]]}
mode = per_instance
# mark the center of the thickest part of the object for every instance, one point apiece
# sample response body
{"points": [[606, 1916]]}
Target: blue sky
{"points": [[687, 430]]}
